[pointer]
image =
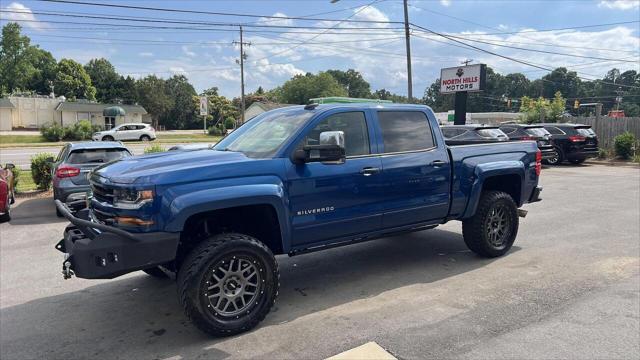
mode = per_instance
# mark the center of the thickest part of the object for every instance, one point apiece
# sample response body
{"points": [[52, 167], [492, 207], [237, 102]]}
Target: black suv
{"points": [[472, 134], [535, 132], [572, 142]]}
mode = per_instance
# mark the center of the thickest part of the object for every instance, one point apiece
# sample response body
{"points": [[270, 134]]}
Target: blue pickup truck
{"points": [[291, 181]]}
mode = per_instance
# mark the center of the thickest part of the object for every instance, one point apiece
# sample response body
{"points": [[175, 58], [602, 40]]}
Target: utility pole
{"points": [[408, 45], [243, 56], [466, 62]]}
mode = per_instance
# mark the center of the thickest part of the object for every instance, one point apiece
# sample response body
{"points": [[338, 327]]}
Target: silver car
{"points": [[74, 162]]}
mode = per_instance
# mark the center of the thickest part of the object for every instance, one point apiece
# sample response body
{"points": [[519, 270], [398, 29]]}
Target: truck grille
{"points": [[102, 193]]}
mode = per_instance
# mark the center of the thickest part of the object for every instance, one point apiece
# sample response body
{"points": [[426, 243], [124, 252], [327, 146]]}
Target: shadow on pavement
{"points": [[34, 212], [139, 316]]}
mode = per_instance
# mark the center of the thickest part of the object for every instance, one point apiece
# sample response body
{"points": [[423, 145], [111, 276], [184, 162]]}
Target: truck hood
{"points": [[169, 167]]}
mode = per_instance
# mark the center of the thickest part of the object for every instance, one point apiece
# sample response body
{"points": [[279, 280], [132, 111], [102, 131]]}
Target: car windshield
{"points": [[537, 131], [492, 133], [96, 156], [262, 136], [586, 132]]}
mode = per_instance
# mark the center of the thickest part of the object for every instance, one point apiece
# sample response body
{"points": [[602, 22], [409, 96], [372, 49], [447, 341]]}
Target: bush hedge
{"points": [[215, 131], [41, 170], [623, 145], [155, 148], [82, 130]]}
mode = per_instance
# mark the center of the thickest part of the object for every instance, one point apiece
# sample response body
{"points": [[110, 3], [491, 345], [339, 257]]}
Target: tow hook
{"points": [[67, 273], [522, 213]]}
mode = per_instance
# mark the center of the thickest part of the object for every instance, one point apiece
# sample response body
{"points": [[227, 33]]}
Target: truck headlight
{"points": [[131, 199]]}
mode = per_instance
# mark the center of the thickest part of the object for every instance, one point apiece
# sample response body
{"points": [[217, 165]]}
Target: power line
{"points": [[539, 51], [132, 7]]}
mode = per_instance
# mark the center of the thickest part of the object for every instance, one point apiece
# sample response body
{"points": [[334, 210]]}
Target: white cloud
{"points": [[445, 2], [370, 13], [620, 4], [187, 51], [271, 21], [145, 54], [24, 13]]}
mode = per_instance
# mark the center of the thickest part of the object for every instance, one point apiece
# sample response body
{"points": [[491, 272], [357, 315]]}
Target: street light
{"points": [[408, 48]]}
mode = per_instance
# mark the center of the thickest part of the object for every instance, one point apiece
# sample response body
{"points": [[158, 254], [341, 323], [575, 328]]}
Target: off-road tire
{"points": [[107, 138], [145, 138], [196, 270], [474, 229], [156, 273]]}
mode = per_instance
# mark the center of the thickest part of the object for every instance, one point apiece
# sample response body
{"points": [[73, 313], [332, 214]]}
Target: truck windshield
{"points": [[263, 135]]}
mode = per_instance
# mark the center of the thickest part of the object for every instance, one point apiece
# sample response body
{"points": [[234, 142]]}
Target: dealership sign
{"points": [[463, 78]]}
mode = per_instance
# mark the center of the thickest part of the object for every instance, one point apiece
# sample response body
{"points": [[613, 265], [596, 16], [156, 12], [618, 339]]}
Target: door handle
{"points": [[437, 163], [368, 171]]}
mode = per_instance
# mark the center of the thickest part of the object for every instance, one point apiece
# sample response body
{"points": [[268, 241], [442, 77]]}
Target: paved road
{"points": [[21, 156], [569, 289]]}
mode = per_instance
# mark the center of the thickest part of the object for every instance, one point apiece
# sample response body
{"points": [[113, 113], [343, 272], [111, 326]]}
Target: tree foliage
{"points": [[105, 79], [301, 88], [73, 82], [353, 82]]}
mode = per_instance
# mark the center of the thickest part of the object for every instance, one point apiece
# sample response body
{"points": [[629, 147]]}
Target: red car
{"points": [[7, 192]]}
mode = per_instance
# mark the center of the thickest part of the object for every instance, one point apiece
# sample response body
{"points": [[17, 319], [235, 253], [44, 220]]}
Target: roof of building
{"points": [[6, 104], [97, 107]]}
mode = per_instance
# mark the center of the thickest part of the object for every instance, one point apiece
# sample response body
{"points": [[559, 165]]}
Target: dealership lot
{"points": [[569, 288]]}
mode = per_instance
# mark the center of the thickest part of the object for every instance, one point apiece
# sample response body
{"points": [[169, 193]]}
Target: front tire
{"points": [[228, 283], [145, 138], [493, 229]]}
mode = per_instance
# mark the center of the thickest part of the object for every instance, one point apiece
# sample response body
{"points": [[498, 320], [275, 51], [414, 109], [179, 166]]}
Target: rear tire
{"points": [[156, 273], [228, 283], [493, 229], [107, 138]]}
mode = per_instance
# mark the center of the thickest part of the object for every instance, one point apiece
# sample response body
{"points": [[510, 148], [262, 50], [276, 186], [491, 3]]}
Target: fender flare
{"points": [[482, 172], [193, 203]]}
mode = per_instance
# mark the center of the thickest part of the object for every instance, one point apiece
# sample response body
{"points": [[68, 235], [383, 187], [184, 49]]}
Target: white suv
{"points": [[135, 131]]}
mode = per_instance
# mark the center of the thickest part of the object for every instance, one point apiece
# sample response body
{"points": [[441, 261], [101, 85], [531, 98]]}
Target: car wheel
{"points": [[493, 229], [145, 138], [228, 284], [107, 138], [7, 215], [156, 272], [557, 157]]}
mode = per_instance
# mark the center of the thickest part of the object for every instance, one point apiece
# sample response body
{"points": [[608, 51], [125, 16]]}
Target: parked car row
{"points": [[557, 142]]}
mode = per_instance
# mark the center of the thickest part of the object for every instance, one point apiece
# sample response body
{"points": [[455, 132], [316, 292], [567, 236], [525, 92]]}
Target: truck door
{"points": [[328, 201], [416, 169]]}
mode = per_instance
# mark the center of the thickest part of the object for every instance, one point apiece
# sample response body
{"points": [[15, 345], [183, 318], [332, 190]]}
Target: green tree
{"points": [[152, 95], [105, 79], [73, 82], [353, 82], [301, 88], [44, 70], [127, 90], [182, 114], [560, 79], [556, 108], [15, 64]]}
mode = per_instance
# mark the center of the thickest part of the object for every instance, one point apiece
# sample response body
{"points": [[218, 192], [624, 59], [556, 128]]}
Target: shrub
{"points": [[229, 123], [624, 145], [53, 132], [215, 131], [155, 148], [603, 153], [41, 170], [16, 177], [81, 130]]}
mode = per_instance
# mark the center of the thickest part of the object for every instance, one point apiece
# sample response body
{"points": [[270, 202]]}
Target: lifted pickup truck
{"points": [[290, 181]]}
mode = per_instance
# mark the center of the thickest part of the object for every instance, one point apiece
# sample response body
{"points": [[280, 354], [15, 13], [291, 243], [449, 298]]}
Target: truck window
{"points": [[405, 131], [354, 126]]}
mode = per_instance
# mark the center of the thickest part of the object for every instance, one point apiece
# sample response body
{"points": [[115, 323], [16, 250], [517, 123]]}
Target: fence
{"points": [[608, 128]]}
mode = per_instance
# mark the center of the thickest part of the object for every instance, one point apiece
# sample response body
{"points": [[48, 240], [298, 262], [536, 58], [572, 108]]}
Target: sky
{"points": [[376, 49]]}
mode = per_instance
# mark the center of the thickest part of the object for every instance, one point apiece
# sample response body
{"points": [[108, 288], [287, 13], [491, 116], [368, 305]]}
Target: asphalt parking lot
{"points": [[568, 289]]}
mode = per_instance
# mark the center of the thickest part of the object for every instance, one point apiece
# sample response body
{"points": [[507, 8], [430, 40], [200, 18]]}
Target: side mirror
{"points": [[330, 150], [9, 166]]}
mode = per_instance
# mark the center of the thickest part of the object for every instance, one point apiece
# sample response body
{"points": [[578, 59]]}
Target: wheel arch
{"points": [[502, 176]]}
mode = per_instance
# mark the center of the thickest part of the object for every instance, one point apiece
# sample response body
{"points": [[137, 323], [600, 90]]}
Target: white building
{"points": [[34, 112]]}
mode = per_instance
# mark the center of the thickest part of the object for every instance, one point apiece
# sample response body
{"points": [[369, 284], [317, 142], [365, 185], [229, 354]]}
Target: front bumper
{"points": [[97, 251]]}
